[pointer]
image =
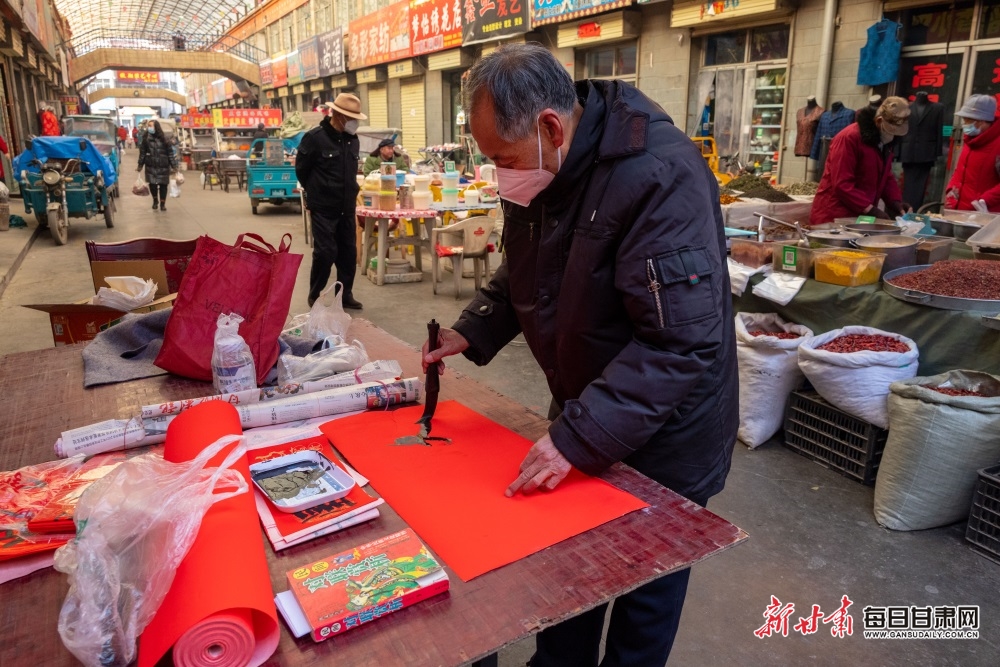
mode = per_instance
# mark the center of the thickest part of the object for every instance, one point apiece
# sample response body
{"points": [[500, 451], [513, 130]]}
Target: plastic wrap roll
{"points": [[219, 611]]}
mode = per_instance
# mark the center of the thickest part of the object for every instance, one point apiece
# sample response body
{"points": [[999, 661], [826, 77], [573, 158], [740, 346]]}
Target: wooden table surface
{"points": [[44, 395]]}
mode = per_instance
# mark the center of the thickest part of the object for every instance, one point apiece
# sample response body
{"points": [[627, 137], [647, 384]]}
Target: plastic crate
{"points": [[833, 438], [984, 520]]}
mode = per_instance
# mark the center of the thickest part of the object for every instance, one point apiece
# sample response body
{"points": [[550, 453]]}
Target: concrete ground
{"points": [[813, 538]]}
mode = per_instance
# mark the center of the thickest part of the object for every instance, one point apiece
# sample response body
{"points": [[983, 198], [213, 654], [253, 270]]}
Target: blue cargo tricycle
{"points": [[270, 183], [63, 178]]}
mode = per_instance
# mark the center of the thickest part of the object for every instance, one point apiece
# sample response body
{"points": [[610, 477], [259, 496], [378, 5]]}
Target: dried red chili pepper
{"points": [[960, 278], [951, 391], [783, 335], [864, 343]]}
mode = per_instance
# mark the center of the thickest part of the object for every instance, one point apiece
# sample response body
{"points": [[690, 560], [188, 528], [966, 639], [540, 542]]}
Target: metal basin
{"points": [[840, 239], [873, 229], [900, 251]]}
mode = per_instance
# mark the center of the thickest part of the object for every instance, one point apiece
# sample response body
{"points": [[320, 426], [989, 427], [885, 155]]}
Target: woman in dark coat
{"points": [[157, 156]]}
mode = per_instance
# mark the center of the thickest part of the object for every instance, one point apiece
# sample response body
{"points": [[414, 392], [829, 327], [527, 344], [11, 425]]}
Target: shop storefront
{"points": [[374, 40], [605, 46], [738, 95]]}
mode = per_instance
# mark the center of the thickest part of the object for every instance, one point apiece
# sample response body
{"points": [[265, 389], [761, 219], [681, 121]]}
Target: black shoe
{"points": [[311, 302], [156, 204], [163, 206], [352, 303]]}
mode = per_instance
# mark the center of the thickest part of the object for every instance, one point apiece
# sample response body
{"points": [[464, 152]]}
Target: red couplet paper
{"points": [[452, 495], [219, 611]]}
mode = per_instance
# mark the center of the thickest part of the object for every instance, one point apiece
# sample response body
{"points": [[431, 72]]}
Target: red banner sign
{"points": [[435, 25], [196, 120], [131, 76], [243, 118], [279, 71], [380, 37]]}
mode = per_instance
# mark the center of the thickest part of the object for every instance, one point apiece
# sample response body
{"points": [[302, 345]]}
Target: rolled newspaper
{"points": [[112, 435], [382, 370], [176, 407]]}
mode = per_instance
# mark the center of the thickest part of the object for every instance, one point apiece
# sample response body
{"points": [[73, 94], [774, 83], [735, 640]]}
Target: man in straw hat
{"points": [[326, 166]]}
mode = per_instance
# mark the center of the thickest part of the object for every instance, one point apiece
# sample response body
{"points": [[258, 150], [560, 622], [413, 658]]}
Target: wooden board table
{"points": [[44, 395]]}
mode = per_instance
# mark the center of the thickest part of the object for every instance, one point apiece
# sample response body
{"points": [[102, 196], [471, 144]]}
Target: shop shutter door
{"points": [[378, 105], [414, 126]]}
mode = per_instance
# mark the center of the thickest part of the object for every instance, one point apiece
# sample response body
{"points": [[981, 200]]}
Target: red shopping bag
{"points": [[252, 279]]}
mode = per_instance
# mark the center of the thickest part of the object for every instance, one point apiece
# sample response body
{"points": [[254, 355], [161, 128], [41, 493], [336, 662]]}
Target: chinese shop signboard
{"points": [[294, 67], [128, 77], [938, 76], [266, 75], [986, 79], [486, 20], [553, 11], [380, 37], [435, 25], [245, 118], [331, 53], [196, 120], [279, 71], [309, 58]]}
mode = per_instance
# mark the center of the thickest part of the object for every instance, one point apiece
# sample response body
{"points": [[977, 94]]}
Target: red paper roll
{"points": [[219, 611]]}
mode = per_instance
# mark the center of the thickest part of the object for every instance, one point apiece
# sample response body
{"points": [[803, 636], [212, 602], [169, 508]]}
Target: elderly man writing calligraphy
{"points": [[615, 274]]}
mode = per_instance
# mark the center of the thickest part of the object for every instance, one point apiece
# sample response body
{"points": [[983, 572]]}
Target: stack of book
{"points": [[286, 529], [356, 586]]}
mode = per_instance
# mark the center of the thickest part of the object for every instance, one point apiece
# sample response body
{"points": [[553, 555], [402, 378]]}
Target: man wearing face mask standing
{"points": [[976, 181], [326, 166], [615, 274], [858, 173]]}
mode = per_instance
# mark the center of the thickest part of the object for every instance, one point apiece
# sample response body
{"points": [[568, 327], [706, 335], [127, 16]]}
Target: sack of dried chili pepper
{"points": [[767, 355], [938, 440], [854, 374]]}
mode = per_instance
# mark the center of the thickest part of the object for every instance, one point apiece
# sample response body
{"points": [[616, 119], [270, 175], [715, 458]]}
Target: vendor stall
{"points": [[198, 137], [234, 128]]}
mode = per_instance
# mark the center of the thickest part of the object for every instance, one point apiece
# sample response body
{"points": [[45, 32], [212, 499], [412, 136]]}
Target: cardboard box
{"points": [[79, 322], [147, 269]]}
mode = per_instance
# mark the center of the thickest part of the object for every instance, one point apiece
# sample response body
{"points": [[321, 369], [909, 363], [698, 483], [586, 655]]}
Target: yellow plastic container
{"points": [[849, 268]]}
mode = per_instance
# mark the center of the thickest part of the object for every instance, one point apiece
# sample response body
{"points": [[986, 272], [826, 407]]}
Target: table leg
{"points": [[366, 238], [418, 246], [383, 231]]}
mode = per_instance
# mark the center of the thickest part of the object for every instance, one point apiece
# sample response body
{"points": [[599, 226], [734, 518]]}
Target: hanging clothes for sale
{"points": [[880, 55], [831, 122], [806, 124]]}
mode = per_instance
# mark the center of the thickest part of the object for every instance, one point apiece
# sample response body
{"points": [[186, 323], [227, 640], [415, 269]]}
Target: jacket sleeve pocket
{"points": [[685, 292]]}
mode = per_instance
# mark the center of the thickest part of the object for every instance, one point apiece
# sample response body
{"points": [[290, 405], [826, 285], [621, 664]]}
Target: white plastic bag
{"points": [[327, 317], [139, 187], [857, 382], [173, 190], [336, 357], [780, 288], [179, 178], [134, 527], [4, 192], [937, 443], [125, 293], [233, 369], [769, 373]]}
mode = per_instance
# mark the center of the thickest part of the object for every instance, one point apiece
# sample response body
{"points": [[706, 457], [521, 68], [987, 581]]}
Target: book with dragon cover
{"points": [[335, 594]]}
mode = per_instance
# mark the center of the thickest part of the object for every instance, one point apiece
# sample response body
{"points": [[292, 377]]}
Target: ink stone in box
{"points": [[301, 480]]}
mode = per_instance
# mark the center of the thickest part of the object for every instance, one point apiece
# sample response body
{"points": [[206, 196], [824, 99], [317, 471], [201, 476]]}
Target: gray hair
{"points": [[521, 80]]}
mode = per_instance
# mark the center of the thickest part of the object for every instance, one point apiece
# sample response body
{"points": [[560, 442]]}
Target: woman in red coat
{"points": [[977, 174], [858, 170]]}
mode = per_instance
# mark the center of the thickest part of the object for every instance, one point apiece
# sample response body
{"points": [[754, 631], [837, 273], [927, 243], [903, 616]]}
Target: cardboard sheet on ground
{"points": [[453, 495], [219, 610]]}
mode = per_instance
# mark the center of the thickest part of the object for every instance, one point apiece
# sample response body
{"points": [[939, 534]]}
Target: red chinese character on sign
{"points": [[777, 619], [470, 11], [486, 6], [842, 623], [931, 74], [809, 625], [501, 8], [996, 70], [515, 6]]}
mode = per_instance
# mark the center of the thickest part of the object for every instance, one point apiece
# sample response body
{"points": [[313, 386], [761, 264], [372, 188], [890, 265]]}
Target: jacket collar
{"points": [[870, 134], [332, 131], [991, 133]]}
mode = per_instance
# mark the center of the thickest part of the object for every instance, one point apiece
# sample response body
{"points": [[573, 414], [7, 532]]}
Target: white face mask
{"points": [[523, 185], [351, 126]]}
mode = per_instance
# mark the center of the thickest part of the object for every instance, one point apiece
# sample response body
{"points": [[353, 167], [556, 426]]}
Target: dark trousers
{"points": [[159, 191], [915, 176], [334, 238]]}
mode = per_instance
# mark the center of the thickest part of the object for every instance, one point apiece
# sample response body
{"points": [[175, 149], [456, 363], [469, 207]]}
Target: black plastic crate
{"points": [[833, 438], [984, 520]]}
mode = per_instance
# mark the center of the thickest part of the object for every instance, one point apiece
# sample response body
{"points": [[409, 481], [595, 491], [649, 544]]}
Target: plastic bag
{"points": [[857, 382], [4, 192], [327, 317], [233, 368], [125, 293], [139, 187], [769, 373], [937, 444], [336, 357], [173, 190], [179, 178], [134, 527]]}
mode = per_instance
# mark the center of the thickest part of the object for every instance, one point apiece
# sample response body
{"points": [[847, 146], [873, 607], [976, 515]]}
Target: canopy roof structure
{"points": [[175, 17]]}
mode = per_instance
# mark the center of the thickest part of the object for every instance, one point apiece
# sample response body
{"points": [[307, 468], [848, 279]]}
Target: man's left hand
{"points": [[543, 468]]}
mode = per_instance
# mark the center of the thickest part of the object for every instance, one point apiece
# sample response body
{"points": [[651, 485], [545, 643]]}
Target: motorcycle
{"points": [[65, 185]]}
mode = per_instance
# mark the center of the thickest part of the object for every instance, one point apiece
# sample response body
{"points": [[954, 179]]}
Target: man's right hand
{"points": [[879, 213], [449, 342]]}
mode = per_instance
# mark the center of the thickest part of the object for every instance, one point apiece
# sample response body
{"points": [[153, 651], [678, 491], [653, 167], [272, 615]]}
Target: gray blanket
{"points": [[127, 350]]}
